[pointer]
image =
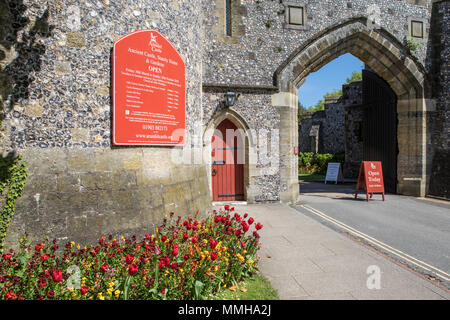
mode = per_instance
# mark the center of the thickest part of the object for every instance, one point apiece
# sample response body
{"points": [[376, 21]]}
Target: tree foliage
{"points": [[355, 76]]}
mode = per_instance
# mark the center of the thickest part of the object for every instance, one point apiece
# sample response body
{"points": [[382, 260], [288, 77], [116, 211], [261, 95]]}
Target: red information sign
{"points": [[149, 91], [370, 179]]}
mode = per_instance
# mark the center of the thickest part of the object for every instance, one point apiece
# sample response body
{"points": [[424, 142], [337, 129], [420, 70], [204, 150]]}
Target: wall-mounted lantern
{"points": [[230, 98]]}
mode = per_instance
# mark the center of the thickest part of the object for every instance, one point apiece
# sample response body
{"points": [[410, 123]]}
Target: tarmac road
{"points": [[414, 231]]}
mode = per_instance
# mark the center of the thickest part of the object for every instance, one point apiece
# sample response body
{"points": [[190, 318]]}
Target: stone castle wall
{"points": [[55, 88], [439, 116], [335, 131], [59, 118], [261, 42], [334, 126], [331, 122]]}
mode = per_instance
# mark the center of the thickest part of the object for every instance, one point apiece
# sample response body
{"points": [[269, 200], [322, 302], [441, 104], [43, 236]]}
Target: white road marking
{"points": [[442, 274]]}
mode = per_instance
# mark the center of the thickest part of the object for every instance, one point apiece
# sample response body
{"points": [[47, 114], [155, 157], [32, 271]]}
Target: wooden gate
{"points": [[380, 127], [227, 163]]}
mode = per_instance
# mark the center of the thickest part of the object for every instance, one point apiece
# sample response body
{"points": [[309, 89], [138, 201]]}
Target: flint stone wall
{"points": [[260, 43], [439, 116], [59, 119]]}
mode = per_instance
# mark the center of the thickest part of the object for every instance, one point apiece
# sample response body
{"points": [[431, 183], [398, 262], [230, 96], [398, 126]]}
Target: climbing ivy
{"points": [[13, 175]]}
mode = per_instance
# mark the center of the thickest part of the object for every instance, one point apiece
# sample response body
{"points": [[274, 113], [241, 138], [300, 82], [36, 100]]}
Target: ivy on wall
{"points": [[13, 175], [21, 54]]}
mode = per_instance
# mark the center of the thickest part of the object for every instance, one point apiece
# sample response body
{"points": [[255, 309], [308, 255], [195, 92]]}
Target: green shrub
{"points": [[321, 160], [310, 163], [305, 159]]}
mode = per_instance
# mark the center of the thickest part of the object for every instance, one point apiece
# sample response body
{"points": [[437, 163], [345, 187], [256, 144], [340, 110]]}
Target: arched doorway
{"points": [[389, 58], [227, 167], [380, 127]]}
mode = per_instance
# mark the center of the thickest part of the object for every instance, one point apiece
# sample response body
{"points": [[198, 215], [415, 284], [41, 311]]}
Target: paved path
{"points": [[304, 259]]}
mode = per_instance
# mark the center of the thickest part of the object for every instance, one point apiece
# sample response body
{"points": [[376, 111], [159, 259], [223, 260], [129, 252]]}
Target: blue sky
{"points": [[329, 77]]}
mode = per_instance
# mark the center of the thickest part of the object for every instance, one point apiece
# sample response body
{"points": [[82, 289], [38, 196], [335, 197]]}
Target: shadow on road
{"points": [[344, 191]]}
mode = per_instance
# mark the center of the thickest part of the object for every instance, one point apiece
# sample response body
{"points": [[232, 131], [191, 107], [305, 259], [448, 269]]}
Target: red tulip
{"points": [[167, 261], [84, 290], [104, 268], [57, 276], [7, 256], [44, 257], [213, 243], [132, 270], [129, 259], [214, 256], [175, 249]]}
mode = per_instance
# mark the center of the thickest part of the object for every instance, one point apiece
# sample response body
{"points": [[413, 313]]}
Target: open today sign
{"points": [[149, 91], [370, 179]]}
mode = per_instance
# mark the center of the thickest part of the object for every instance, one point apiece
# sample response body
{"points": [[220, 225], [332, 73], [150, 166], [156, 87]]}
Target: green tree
{"points": [[320, 105], [301, 112], [334, 93], [355, 76]]}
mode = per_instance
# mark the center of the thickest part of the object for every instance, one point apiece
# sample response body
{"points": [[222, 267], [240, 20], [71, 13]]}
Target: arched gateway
{"points": [[391, 60]]}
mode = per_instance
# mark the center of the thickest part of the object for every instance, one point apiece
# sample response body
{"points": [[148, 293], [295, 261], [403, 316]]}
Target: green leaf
{"points": [[126, 289], [198, 288]]}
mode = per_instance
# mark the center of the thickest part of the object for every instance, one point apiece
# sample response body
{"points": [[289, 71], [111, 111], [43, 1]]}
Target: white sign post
{"points": [[334, 172]]}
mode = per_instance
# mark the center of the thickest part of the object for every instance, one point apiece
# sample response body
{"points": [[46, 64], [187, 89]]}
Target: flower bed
{"points": [[185, 259]]}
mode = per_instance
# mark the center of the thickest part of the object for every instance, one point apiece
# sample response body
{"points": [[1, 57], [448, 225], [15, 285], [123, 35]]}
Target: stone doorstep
{"points": [[230, 203]]}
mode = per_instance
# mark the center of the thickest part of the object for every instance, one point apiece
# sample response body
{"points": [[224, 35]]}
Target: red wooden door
{"points": [[227, 163]]}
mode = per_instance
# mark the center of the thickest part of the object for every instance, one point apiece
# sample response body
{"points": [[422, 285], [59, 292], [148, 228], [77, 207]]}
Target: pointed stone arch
{"points": [[392, 61], [249, 142]]}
